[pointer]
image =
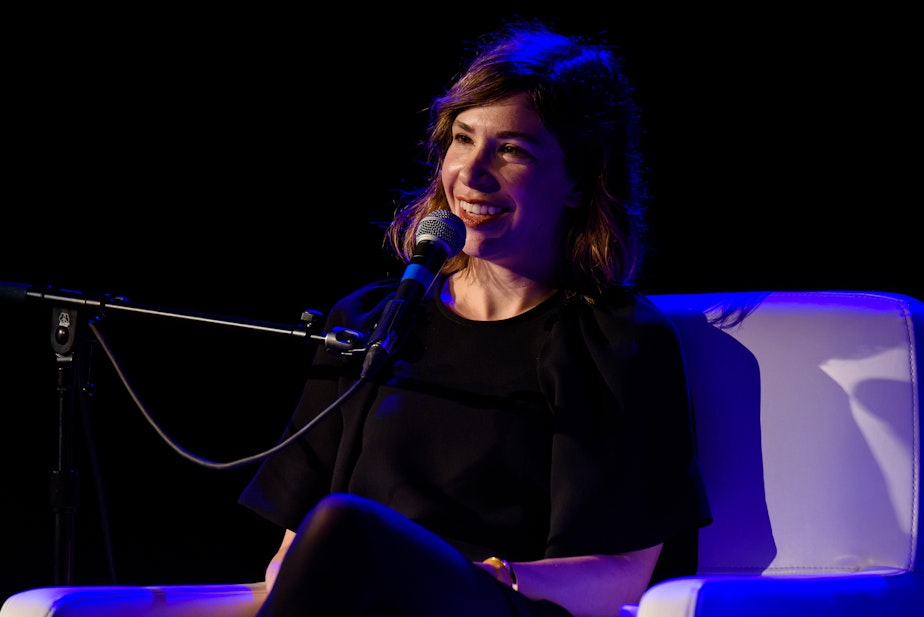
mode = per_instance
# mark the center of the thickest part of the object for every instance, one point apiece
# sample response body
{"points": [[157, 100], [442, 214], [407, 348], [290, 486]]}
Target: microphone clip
{"points": [[344, 341]]}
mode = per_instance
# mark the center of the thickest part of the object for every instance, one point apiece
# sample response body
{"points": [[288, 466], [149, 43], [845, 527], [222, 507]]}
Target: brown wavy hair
{"points": [[582, 95]]}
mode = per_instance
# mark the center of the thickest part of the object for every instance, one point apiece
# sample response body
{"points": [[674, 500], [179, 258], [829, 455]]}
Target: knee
{"points": [[337, 516]]}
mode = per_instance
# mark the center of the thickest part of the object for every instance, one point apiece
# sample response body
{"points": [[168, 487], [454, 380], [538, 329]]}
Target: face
{"points": [[504, 176]]}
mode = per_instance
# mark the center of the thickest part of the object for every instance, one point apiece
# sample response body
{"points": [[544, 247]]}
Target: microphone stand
{"points": [[64, 487], [67, 332]]}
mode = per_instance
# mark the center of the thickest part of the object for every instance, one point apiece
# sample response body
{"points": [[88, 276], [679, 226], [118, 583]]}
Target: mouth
{"points": [[480, 209], [474, 215]]}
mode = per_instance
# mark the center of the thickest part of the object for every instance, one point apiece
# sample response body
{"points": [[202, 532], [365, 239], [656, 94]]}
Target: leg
{"points": [[353, 556]]}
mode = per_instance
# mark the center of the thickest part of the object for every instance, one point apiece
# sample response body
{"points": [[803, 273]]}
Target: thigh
{"points": [[353, 556]]}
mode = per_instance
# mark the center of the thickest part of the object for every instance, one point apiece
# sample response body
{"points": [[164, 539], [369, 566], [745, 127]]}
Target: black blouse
{"points": [[563, 431]]}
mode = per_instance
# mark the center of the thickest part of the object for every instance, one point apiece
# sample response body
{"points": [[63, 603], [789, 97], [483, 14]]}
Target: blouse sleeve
{"points": [[288, 483], [624, 468]]}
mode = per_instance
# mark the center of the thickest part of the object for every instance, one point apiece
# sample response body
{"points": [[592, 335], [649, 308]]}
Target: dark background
{"points": [[235, 163]]}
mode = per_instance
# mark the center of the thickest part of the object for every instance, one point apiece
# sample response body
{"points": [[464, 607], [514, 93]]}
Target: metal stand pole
{"points": [[64, 479]]}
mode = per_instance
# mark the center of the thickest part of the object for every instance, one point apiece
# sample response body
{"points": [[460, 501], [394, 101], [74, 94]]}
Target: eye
{"points": [[514, 150], [462, 138]]}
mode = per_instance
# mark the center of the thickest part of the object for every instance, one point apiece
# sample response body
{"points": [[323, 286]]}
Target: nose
{"points": [[475, 171]]}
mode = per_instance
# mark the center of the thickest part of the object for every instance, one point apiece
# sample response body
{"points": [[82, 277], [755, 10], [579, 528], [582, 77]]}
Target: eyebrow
{"points": [[504, 134]]}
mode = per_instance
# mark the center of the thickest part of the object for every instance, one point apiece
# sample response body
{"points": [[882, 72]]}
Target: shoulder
{"points": [[618, 327], [360, 308], [624, 309]]}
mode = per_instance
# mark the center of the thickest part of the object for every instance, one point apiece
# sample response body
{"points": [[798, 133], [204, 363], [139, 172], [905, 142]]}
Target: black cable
{"points": [[197, 459]]}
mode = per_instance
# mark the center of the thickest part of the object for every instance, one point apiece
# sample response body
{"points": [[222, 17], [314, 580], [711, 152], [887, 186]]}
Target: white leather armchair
{"points": [[808, 419]]}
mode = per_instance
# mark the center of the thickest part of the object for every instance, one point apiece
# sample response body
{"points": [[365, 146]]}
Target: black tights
{"points": [[352, 556]]}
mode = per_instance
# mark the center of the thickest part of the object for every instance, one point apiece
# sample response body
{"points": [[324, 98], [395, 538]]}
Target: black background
{"points": [[235, 163]]}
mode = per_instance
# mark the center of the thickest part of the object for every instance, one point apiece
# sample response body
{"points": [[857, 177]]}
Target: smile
{"points": [[480, 209]]}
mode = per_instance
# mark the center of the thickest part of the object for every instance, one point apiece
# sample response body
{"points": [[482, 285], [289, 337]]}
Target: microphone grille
{"points": [[445, 227]]}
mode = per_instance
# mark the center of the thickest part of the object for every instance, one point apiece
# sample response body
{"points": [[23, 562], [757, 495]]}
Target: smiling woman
{"points": [[504, 174], [189, 158], [536, 394]]}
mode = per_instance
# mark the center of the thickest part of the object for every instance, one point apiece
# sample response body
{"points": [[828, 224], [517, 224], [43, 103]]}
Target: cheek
{"points": [[448, 174], [446, 178], [535, 185]]}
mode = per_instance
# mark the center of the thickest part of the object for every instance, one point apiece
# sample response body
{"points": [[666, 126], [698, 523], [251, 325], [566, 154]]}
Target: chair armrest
{"points": [[241, 600], [891, 592]]}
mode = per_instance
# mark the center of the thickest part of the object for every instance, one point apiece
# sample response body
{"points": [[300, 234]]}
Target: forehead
{"points": [[513, 114]]}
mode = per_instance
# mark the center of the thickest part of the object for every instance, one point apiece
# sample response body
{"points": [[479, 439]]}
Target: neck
{"points": [[483, 294]]}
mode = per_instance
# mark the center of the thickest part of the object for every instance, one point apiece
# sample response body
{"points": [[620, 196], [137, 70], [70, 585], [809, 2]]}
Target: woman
{"points": [[528, 449]]}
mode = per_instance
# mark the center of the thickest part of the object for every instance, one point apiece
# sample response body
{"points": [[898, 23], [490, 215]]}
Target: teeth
{"points": [[480, 209]]}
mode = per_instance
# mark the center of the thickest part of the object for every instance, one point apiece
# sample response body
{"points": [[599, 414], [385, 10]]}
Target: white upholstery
{"points": [[808, 408], [126, 601]]}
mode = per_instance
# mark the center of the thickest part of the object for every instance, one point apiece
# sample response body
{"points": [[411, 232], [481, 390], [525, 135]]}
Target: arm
{"points": [[272, 569], [589, 585]]}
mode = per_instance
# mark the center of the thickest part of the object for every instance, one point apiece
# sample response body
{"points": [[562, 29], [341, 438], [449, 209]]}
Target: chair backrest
{"points": [[808, 417]]}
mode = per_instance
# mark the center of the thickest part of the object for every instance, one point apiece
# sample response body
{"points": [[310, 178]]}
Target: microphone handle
{"points": [[398, 313]]}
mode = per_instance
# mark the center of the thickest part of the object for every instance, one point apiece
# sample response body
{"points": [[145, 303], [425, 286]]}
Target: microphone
{"points": [[440, 235]]}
